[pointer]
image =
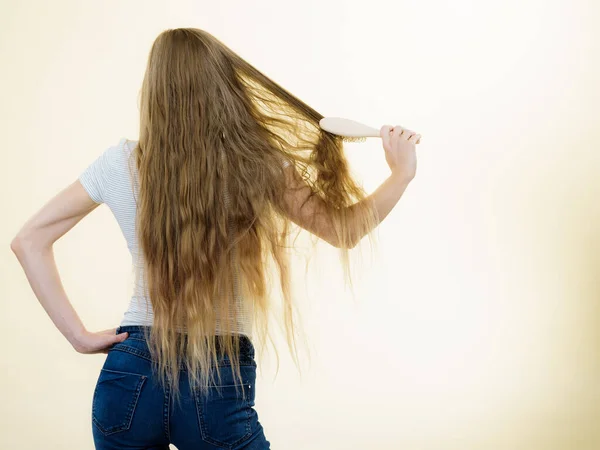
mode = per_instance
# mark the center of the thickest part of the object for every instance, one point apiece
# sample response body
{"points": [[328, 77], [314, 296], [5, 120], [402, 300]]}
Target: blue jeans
{"points": [[131, 410]]}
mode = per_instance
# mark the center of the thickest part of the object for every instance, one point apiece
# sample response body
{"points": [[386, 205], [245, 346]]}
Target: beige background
{"points": [[475, 327]]}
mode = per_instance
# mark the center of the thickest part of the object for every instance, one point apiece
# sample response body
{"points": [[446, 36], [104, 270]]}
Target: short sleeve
{"points": [[96, 176]]}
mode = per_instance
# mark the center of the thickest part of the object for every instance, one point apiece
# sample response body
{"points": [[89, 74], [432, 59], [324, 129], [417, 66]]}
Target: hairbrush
{"points": [[350, 130]]}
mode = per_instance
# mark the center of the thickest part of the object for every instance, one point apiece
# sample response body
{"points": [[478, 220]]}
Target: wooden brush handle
{"points": [[349, 128]]}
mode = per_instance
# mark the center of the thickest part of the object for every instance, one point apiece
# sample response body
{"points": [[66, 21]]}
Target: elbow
{"points": [[352, 244], [23, 242], [339, 243], [16, 244]]}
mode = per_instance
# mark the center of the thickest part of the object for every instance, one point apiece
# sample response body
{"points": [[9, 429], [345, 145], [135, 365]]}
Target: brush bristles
{"points": [[354, 139]]}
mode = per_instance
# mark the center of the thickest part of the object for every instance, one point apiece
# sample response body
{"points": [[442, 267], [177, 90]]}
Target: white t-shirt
{"points": [[108, 180]]}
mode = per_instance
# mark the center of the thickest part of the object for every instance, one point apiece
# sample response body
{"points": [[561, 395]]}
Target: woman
{"points": [[226, 158]]}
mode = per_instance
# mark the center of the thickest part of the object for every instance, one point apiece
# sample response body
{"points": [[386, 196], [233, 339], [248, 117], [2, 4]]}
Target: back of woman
{"points": [[226, 161], [129, 406]]}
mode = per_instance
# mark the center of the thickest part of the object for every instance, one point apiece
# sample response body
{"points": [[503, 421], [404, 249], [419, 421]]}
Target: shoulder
{"points": [[127, 144], [108, 161], [126, 147], [112, 153], [115, 154], [123, 147]]}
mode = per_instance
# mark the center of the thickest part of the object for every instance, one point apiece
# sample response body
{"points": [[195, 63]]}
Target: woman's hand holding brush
{"points": [[399, 145]]}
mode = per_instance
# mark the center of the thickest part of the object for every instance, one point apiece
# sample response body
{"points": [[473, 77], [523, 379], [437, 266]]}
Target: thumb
{"points": [[120, 337], [384, 132]]}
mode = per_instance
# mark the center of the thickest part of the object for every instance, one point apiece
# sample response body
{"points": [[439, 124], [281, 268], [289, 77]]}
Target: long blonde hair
{"points": [[213, 134]]}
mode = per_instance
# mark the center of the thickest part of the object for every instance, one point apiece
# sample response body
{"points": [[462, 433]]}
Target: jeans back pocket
{"points": [[115, 399], [225, 414]]}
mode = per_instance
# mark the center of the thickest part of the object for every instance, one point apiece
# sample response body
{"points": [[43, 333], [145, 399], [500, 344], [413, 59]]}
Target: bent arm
{"points": [[33, 247], [305, 208], [385, 197]]}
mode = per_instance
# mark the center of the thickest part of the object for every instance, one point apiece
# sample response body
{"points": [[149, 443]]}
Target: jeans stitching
{"points": [[134, 338], [133, 351], [166, 408], [247, 402], [121, 372]]}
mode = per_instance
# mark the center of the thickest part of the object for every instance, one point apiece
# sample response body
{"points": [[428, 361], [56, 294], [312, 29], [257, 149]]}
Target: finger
{"points": [[120, 337], [415, 138], [384, 132], [397, 131], [406, 134]]}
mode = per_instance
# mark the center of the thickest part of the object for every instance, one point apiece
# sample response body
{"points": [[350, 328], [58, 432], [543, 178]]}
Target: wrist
{"points": [[401, 177], [76, 336]]}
